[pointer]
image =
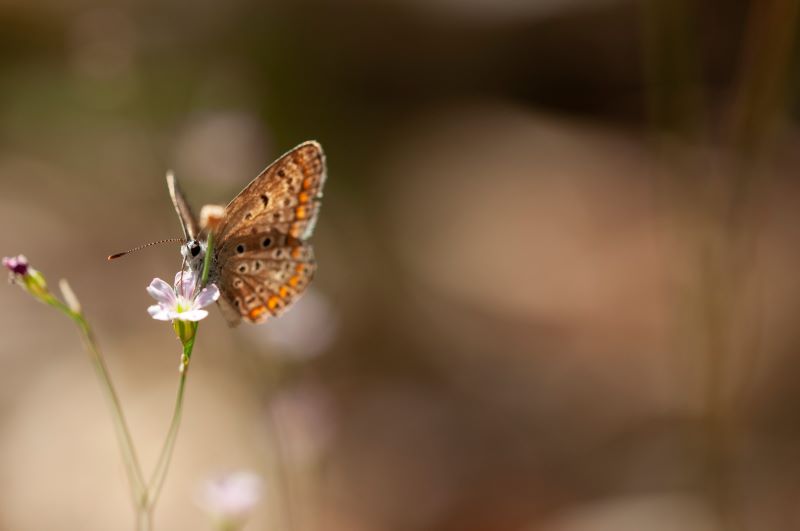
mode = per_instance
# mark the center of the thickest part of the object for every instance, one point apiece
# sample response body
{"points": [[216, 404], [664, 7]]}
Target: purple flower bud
{"points": [[18, 265]]}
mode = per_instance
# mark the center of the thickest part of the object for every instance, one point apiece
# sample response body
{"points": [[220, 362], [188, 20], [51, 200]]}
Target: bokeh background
{"points": [[558, 285]]}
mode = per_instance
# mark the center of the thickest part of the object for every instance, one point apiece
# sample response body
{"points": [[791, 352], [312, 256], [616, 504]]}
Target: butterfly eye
{"points": [[195, 249]]}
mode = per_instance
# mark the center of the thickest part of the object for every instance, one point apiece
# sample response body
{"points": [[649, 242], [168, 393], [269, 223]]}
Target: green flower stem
{"points": [[207, 260], [160, 473], [283, 471], [229, 525], [187, 332], [144, 519], [144, 495], [132, 467]]}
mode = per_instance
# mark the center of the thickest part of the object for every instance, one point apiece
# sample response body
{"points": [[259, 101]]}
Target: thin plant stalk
{"points": [[132, 467], [144, 495], [188, 332], [283, 470], [162, 466], [144, 519]]}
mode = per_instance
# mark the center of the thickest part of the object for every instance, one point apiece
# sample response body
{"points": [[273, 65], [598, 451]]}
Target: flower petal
{"points": [[159, 313], [209, 294], [184, 283], [16, 264], [192, 315], [162, 292], [232, 496]]}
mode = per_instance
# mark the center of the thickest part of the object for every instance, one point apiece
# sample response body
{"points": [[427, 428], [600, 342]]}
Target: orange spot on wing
{"points": [[308, 182], [256, 312], [303, 197], [294, 281], [283, 292], [297, 252], [300, 212], [273, 302]]}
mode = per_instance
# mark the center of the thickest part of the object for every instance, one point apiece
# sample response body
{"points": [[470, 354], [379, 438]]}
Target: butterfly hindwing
{"points": [[263, 272]]}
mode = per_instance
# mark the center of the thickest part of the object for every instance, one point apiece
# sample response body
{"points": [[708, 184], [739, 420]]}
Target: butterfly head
{"points": [[194, 251]]}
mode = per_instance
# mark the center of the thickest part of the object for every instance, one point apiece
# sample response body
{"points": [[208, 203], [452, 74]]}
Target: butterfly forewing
{"points": [[263, 263], [285, 195], [185, 214]]}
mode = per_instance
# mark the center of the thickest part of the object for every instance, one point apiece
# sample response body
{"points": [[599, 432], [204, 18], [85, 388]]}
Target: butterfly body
{"points": [[261, 259]]}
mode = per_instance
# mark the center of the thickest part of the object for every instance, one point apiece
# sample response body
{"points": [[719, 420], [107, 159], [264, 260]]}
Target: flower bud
{"points": [[31, 280], [17, 265]]}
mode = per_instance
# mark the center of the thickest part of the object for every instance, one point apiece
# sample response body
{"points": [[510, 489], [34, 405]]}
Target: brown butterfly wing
{"points": [[262, 259], [261, 274], [285, 196], [188, 220]]}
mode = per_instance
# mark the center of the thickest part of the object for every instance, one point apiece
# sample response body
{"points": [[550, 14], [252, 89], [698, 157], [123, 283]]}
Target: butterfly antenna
{"points": [[123, 253]]}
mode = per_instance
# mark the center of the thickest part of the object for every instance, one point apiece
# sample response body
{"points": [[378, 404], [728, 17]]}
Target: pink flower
{"points": [[17, 265], [21, 273], [231, 498], [183, 302]]}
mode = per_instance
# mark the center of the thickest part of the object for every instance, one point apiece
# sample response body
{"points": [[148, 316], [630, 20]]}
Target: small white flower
{"points": [[231, 497], [183, 302]]}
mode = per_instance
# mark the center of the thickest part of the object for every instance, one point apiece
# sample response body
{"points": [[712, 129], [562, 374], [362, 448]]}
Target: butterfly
{"points": [[262, 261]]}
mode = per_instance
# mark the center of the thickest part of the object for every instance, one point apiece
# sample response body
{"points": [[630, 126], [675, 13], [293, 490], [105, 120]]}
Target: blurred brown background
{"points": [[558, 285]]}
